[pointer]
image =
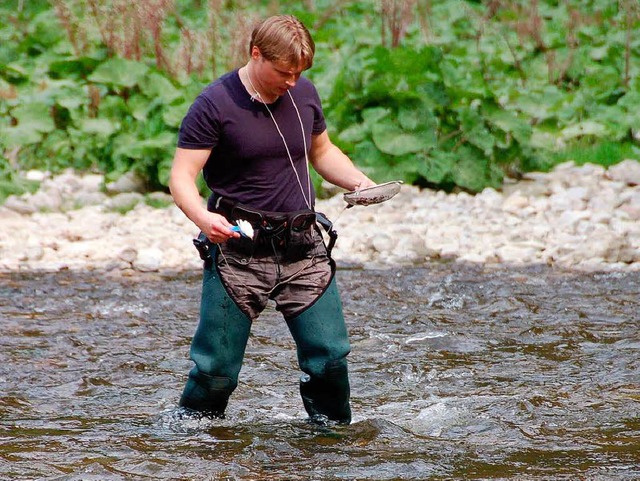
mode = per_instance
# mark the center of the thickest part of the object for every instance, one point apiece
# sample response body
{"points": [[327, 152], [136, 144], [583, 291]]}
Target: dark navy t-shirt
{"points": [[249, 161]]}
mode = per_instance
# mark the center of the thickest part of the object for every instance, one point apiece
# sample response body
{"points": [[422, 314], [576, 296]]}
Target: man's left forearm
{"points": [[335, 167]]}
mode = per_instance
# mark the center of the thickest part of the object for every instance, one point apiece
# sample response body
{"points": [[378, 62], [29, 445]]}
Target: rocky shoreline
{"points": [[583, 218]]}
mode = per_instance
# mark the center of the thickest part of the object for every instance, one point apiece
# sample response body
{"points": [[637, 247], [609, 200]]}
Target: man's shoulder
{"points": [[305, 88], [221, 88], [306, 84]]}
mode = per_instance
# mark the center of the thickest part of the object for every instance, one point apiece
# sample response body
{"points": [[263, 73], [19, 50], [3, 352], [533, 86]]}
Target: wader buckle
{"points": [[203, 245]]}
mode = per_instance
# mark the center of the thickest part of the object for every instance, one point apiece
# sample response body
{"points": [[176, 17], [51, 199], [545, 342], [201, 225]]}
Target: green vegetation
{"points": [[446, 94]]}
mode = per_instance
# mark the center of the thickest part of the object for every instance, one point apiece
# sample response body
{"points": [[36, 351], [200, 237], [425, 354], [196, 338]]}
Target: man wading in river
{"points": [[253, 133]]}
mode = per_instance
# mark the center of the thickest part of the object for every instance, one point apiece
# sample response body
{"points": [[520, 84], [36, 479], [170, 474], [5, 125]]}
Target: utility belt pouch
{"points": [[293, 234], [242, 245], [233, 212], [300, 236]]}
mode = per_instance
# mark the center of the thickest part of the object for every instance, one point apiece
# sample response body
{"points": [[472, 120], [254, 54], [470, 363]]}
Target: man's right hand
{"points": [[187, 164], [217, 228]]}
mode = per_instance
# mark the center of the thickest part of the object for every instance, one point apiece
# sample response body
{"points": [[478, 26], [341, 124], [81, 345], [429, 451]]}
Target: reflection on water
{"points": [[457, 373]]}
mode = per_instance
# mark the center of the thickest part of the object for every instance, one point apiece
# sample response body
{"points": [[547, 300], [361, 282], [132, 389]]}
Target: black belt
{"points": [[270, 223], [275, 224]]}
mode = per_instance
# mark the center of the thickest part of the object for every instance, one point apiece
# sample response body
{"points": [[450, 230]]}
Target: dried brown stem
{"points": [[397, 15]]}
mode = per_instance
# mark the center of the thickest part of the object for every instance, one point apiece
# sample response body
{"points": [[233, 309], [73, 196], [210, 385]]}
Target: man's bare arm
{"points": [[187, 164], [334, 166]]}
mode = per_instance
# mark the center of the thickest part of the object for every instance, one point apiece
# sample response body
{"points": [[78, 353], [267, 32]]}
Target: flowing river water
{"points": [[458, 372]]}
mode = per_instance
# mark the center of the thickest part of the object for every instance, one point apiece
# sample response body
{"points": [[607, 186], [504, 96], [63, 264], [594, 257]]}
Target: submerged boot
{"points": [[322, 344], [217, 349], [327, 397], [206, 394]]}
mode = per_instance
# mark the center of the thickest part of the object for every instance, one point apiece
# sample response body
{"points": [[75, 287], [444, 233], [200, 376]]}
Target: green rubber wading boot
{"points": [[323, 344], [217, 349]]}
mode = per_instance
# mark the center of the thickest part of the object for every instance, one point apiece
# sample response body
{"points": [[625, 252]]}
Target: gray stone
{"points": [[148, 260], [627, 171], [124, 202], [19, 205], [128, 182]]}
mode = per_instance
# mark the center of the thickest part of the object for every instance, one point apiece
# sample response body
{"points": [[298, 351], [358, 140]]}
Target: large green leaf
{"points": [[541, 103], [99, 127], [164, 168], [475, 130], [630, 101], [417, 117], [70, 101], [437, 166], [119, 72], [354, 133], [114, 107], [586, 128], [19, 136], [373, 115], [616, 119], [462, 81], [508, 122], [173, 115], [140, 106], [131, 147], [156, 86], [472, 171], [544, 139], [602, 81], [392, 140], [45, 30], [400, 73], [366, 154], [406, 62], [72, 67], [35, 116]]}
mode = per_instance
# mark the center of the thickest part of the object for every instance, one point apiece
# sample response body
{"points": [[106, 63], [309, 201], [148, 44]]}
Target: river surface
{"points": [[457, 373]]}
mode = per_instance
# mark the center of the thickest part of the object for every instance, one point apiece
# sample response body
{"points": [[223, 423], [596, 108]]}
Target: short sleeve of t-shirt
{"points": [[319, 124], [200, 129]]}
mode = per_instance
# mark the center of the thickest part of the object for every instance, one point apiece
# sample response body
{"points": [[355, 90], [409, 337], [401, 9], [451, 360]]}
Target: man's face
{"points": [[275, 78]]}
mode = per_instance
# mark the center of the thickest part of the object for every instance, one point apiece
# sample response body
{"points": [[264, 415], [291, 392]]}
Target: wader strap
{"points": [[204, 246], [324, 221]]}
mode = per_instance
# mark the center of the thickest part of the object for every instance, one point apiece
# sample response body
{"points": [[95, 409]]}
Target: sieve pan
{"points": [[372, 195]]}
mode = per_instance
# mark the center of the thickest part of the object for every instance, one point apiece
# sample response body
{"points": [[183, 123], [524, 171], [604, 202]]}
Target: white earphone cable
{"points": [[307, 197]]}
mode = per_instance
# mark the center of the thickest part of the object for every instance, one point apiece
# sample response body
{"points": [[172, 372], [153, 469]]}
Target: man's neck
{"points": [[252, 85]]}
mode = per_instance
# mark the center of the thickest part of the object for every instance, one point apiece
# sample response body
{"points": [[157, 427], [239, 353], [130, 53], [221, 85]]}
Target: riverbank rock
{"points": [[578, 217]]}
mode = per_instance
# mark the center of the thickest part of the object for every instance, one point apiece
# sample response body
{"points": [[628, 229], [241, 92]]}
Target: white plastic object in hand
{"points": [[244, 228]]}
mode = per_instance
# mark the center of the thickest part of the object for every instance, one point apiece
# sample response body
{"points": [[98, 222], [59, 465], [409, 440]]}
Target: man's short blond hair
{"points": [[284, 38]]}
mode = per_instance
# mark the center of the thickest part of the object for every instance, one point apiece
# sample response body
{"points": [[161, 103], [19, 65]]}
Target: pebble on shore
{"points": [[575, 217]]}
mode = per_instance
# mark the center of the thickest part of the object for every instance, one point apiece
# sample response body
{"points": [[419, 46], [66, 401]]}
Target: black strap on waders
{"points": [[324, 221], [203, 245]]}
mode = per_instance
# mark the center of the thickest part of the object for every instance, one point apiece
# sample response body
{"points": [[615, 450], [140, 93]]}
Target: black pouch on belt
{"points": [[243, 244], [290, 233], [300, 238]]}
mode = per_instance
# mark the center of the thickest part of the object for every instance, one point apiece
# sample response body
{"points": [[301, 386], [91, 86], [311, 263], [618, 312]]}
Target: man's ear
{"points": [[255, 53]]}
